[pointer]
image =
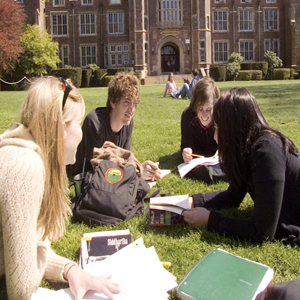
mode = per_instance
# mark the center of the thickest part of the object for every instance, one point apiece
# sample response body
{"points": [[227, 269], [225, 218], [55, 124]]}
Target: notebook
{"points": [[220, 275]]}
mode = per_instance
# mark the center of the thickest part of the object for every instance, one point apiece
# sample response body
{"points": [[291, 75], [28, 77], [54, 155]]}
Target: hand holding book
{"points": [[196, 217]]}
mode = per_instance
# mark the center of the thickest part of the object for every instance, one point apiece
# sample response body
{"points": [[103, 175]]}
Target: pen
{"points": [[196, 155]]}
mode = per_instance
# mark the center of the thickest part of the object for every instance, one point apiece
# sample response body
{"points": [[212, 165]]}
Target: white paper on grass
{"points": [[163, 174], [138, 271], [184, 168]]}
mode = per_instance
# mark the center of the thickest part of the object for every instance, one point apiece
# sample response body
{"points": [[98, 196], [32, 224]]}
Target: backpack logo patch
{"points": [[114, 175]]}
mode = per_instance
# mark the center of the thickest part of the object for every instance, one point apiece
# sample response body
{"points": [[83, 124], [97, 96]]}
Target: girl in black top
{"points": [[258, 160]]}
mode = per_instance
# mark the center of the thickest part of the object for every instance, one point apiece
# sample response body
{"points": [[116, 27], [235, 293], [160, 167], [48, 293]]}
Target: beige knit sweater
{"points": [[24, 260]]}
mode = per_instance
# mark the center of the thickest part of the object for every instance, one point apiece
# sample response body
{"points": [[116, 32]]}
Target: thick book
{"points": [[168, 210], [184, 168], [97, 246], [220, 275]]}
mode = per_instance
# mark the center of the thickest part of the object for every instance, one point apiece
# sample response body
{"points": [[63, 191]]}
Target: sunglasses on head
{"points": [[67, 88]]}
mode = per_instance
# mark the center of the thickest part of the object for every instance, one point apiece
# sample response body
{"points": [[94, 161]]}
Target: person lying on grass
{"points": [[197, 131], [258, 160], [34, 202], [113, 123]]}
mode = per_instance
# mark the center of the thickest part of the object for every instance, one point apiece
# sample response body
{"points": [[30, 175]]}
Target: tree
{"points": [[12, 19], [40, 51], [234, 65], [273, 62]]}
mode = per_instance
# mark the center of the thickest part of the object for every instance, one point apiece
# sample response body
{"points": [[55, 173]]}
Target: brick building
{"points": [[159, 36]]}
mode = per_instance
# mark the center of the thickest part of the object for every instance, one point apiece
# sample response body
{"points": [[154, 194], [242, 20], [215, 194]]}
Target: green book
{"points": [[220, 275]]}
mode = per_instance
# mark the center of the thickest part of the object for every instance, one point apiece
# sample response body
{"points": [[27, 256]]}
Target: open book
{"points": [[163, 174], [175, 204], [167, 210], [220, 275], [208, 161]]}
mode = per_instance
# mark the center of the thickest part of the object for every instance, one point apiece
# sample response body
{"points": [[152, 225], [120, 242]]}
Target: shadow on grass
{"points": [[170, 161]]}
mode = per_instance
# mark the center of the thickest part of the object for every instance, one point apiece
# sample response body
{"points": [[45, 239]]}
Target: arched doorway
{"points": [[170, 59]]}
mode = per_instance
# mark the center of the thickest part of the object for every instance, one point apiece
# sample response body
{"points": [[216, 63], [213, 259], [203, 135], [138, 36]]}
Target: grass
{"points": [[156, 136]]}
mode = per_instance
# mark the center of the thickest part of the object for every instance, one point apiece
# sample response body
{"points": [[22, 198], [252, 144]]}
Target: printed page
{"points": [[163, 174], [181, 201], [184, 168]]}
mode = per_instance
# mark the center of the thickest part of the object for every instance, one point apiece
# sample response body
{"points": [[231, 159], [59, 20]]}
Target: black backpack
{"points": [[111, 193]]}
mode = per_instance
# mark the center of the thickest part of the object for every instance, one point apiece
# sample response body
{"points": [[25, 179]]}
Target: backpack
{"points": [[111, 193]]}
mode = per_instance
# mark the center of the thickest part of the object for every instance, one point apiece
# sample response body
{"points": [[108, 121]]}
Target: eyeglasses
{"points": [[67, 90]]}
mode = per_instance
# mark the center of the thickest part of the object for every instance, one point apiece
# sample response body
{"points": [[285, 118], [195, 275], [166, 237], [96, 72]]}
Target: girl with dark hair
{"points": [[258, 160]]}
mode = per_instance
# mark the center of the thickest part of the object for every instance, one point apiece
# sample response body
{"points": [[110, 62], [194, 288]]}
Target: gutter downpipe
{"points": [[233, 29], [74, 58]]}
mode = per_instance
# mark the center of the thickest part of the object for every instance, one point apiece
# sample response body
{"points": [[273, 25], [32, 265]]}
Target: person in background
{"points": [[113, 123], [197, 131], [258, 160], [186, 89], [170, 85], [34, 203]]}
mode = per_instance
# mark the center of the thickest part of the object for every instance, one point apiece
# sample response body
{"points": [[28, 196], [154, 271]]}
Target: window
{"points": [[220, 20], [220, 52], [145, 23], [115, 1], [88, 55], [146, 53], [195, 23], [270, 1], [115, 23], [202, 51], [65, 55], [126, 58], [207, 22], [58, 2], [271, 20], [276, 47], [169, 12], [118, 55], [59, 25], [245, 1], [87, 24], [87, 2], [267, 45], [247, 50], [19, 1], [246, 20]]}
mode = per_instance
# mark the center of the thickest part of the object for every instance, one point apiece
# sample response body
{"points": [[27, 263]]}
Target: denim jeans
{"points": [[184, 91]]}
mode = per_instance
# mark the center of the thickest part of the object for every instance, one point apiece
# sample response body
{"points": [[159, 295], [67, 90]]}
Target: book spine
{"points": [[163, 218]]}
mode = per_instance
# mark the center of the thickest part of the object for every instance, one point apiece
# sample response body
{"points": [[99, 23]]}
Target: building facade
{"points": [[160, 36]]}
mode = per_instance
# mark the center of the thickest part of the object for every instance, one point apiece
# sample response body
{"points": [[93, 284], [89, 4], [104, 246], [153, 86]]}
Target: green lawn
{"points": [[156, 136]]}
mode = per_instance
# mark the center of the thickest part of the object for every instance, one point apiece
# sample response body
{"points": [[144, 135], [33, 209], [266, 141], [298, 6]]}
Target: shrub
{"points": [[234, 65], [282, 73], [93, 78], [273, 62], [86, 77], [75, 74], [138, 74], [218, 72]]}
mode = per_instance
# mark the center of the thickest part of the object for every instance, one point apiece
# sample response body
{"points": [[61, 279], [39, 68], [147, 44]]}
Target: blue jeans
{"points": [[184, 91]]}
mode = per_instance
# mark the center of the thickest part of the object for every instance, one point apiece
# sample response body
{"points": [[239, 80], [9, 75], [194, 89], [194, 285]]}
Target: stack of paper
{"points": [[138, 271]]}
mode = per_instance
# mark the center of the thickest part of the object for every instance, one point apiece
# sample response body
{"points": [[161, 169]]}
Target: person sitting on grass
{"points": [[197, 131], [113, 123], [34, 202], [186, 89], [258, 160], [170, 85]]}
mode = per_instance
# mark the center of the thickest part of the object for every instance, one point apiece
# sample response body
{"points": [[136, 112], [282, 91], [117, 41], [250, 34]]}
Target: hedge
{"points": [[86, 77], [113, 71], [282, 73], [107, 79], [246, 75], [218, 72], [259, 65], [75, 74], [100, 75]]}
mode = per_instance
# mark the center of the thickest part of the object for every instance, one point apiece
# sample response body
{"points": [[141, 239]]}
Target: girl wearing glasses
{"points": [[34, 204]]}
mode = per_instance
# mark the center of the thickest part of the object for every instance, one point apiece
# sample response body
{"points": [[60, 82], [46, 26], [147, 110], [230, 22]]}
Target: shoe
{"points": [[179, 97], [172, 95]]}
